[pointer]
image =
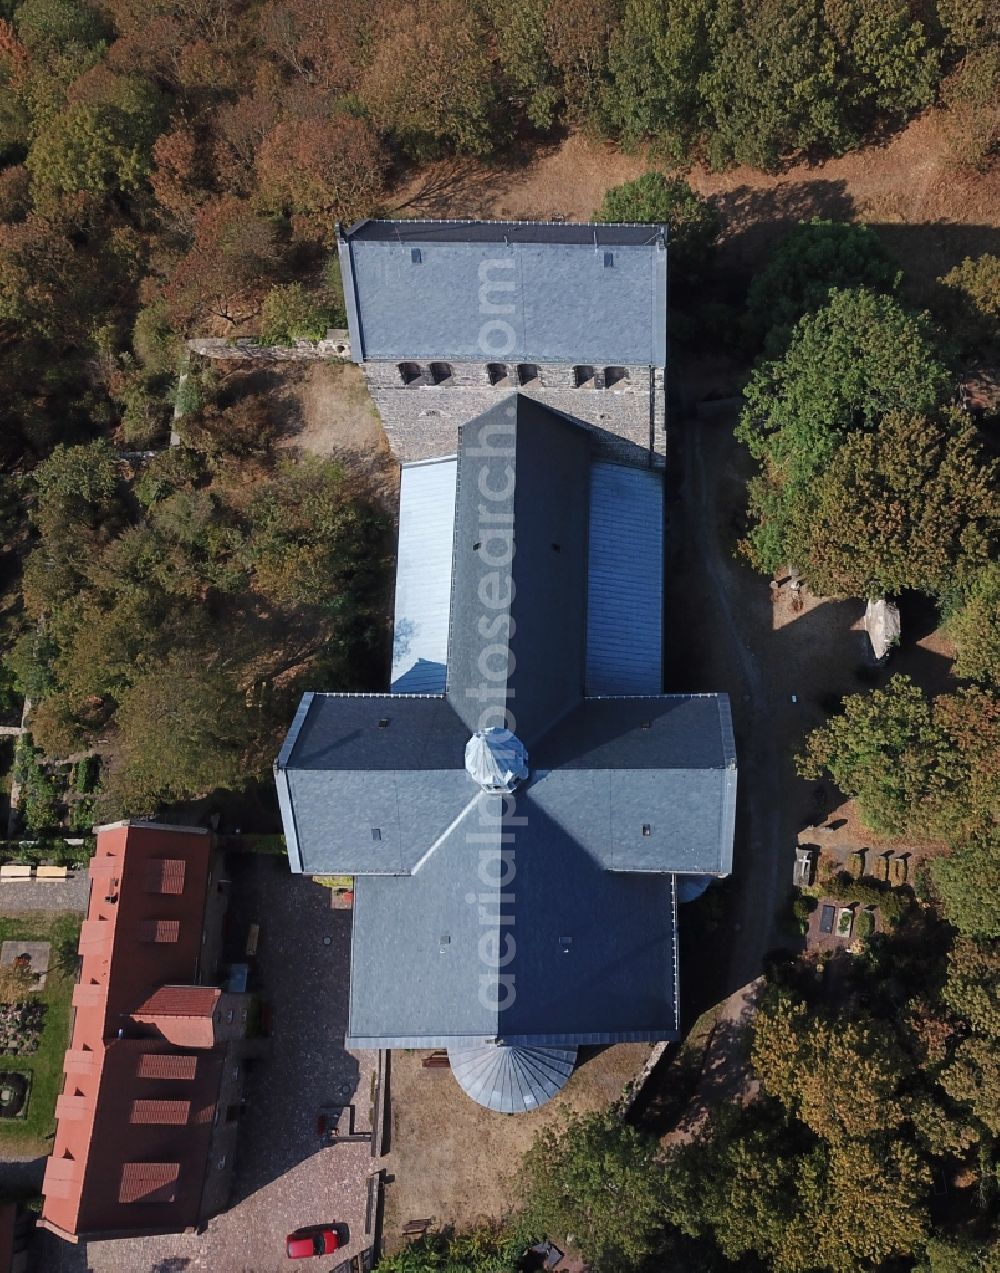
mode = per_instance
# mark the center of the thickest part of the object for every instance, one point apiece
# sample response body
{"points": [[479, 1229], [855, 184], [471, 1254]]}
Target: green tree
{"points": [[811, 259], [481, 1250], [974, 626], [50, 26], [290, 313], [841, 1078], [654, 198], [598, 1180], [912, 505], [967, 882], [531, 81], [972, 985], [958, 1254], [763, 1187], [848, 365], [972, 304], [101, 145], [972, 1080], [772, 87], [183, 730], [915, 767], [969, 23], [886, 65], [77, 508], [314, 540], [656, 56]]}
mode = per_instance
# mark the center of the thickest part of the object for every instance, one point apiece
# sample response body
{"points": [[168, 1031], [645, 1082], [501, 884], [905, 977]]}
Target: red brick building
{"points": [[146, 1129]]}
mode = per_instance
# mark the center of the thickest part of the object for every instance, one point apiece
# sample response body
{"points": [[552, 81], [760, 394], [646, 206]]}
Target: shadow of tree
{"points": [[472, 186], [753, 219]]}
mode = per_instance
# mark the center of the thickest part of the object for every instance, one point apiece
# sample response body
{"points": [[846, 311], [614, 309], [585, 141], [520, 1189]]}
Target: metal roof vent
{"points": [[496, 759]]}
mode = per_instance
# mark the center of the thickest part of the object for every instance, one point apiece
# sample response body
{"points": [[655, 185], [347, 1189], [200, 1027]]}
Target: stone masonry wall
{"points": [[422, 419]]}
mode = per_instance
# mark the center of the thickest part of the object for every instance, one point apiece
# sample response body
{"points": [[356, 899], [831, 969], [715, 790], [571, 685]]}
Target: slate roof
{"points": [[518, 291], [625, 790], [423, 576], [535, 467], [625, 507], [614, 981]]}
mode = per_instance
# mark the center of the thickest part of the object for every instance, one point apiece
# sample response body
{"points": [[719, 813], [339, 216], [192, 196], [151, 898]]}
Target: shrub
{"points": [[893, 903], [652, 198], [290, 313]]}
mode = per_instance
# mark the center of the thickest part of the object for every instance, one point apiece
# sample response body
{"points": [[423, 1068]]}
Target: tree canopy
{"points": [[848, 365], [974, 625], [692, 220], [597, 1180], [163, 609], [807, 263], [913, 504], [915, 766]]}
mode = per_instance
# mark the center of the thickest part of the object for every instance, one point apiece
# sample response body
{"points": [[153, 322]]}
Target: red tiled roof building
{"points": [[145, 1135]]}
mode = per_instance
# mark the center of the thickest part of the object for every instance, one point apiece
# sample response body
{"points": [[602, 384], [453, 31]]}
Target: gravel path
{"points": [[71, 894]]}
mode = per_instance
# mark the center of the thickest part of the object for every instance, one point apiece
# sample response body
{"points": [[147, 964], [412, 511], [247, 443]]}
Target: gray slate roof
{"points": [[535, 469], [623, 792], [511, 291], [593, 955], [423, 576], [624, 577]]}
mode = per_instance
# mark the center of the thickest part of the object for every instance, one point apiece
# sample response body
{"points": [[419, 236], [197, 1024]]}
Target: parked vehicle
{"points": [[317, 1239]]}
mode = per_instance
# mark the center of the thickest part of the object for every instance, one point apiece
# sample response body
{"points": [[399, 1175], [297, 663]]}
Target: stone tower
{"points": [[446, 317]]}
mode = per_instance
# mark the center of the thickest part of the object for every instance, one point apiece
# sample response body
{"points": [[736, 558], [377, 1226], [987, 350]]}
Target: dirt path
{"points": [[779, 666], [759, 894]]}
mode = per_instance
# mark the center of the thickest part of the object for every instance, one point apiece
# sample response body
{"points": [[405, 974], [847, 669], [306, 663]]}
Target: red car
{"points": [[318, 1239]]}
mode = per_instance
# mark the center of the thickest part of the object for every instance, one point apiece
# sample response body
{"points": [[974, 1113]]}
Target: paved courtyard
{"points": [[285, 1176], [70, 894]]}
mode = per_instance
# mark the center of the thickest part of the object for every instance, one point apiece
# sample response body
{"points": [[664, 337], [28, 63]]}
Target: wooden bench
{"points": [[253, 937], [15, 871], [52, 873], [417, 1228]]}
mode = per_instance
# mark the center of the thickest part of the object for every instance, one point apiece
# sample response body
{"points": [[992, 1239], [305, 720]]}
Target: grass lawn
{"points": [[61, 928]]}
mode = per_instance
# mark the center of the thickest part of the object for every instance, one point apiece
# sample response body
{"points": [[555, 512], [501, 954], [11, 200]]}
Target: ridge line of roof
{"points": [[447, 831], [605, 225]]}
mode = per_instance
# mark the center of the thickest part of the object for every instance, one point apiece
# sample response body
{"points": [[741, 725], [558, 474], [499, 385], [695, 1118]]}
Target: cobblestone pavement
{"points": [[71, 894], [284, 1177]]}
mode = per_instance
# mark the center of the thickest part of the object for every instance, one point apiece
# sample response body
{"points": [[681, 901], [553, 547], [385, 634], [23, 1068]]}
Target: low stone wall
{"points": [[422, 414], [335, 346]]}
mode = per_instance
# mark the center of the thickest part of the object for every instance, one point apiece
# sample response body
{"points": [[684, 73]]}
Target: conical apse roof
{"points": [[511, 1080]]}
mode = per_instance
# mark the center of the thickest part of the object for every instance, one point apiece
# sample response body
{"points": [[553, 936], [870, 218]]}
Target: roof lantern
{"points": [[496, 759]]}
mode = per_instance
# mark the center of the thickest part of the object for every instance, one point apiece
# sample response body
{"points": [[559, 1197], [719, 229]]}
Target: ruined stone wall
{"points": [[422, 418]]}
